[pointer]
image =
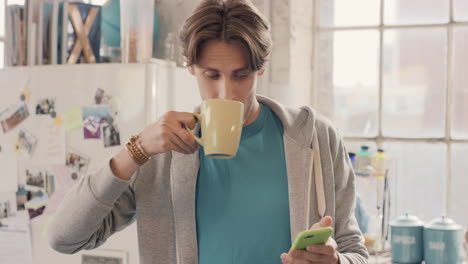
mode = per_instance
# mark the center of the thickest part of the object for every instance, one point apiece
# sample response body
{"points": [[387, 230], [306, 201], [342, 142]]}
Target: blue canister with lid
{"points": [[407, 239], [442, 241]]}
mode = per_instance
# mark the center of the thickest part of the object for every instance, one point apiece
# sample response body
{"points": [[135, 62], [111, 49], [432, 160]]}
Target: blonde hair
{"points": [[229, 21]]}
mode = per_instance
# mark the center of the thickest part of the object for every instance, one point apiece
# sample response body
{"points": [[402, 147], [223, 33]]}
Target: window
{"points": [[392, 73]]}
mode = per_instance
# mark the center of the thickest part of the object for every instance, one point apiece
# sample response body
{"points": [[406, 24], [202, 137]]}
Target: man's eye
{"points": [[242, 76], [212, 75]]}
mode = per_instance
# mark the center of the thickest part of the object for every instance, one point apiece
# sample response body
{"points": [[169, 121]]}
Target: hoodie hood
{"points": [[297, 122]]}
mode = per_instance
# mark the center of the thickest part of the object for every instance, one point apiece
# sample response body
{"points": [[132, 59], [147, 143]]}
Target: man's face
{"points": [[222, 72]]}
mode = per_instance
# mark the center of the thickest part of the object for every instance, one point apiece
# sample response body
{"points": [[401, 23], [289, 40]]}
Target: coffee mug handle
{"points": [[197, 139]]}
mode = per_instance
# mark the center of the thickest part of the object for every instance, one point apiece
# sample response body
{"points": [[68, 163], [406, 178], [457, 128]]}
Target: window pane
{"points": [[337, 12], [416, 12], [460, 83], [348, 80], [2, 51], [458, 195], [2, 18], [460, 10], [414, 180], [414, 82]]}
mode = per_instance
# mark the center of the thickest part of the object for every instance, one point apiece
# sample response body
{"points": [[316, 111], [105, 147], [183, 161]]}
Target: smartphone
{"points": [[312, 237]]}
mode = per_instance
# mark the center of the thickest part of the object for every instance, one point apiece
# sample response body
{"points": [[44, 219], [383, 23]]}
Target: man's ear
{"points": [[261, 72], [191, 70]]}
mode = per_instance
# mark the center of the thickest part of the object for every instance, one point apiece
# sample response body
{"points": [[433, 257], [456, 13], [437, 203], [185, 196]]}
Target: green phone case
{"points": [[312, 237]]}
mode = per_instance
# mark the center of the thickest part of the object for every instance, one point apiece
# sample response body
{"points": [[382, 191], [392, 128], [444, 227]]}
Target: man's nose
{"points": [[226, 90]]}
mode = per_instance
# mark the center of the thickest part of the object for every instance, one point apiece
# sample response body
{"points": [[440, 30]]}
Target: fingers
{"points": [[288, 259], [326, 221], [177, 144], [314, 253], [321, 249], [170, 141], [169, 144], [173, 126], [302, 256], [183, 138], [183, 118], [169, 133]]}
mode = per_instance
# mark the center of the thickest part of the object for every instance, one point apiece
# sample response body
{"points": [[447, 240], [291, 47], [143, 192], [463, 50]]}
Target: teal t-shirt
{"points": [[242, 204]]}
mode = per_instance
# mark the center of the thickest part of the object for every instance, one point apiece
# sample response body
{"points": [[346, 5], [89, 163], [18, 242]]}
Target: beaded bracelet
{"points": [[135, 150]]}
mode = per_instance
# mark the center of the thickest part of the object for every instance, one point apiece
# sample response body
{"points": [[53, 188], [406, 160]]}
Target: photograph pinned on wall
{"points": [[25, 194], [110, 133], [33, 200], [40, 179], [26, 143], [101, 97], [92, 118], [13, 117], [76, 161], [7, 205], [36, 207], [22, 196], [45, 106], [104, 256]]}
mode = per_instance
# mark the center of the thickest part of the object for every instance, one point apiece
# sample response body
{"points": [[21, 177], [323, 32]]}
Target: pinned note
{"points": [[72, 118]]}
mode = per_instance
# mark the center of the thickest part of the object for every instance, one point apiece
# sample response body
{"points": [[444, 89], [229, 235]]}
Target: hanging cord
{"points": [[316, 170]]}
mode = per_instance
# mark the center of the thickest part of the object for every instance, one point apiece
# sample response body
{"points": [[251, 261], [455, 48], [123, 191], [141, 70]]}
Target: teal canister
{"points": [[442, 241], [407, 239]]}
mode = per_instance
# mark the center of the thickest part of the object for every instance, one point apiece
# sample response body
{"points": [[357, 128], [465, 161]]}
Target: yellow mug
{"points": [[221, 122]]}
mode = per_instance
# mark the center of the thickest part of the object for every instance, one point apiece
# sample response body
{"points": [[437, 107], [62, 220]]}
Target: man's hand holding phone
{"points": [[321, 248]]}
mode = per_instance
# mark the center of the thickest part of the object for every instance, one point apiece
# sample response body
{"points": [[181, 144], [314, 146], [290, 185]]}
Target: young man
{"points": [[291, 169]]}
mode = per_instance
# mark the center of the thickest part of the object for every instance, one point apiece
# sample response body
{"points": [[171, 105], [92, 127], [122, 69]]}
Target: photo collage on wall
{"points": [[46, 166]]}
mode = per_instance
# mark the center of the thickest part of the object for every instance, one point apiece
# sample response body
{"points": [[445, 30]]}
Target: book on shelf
{"points": [[15, 33]]}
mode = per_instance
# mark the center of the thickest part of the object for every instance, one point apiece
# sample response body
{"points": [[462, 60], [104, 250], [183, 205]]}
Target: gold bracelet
{"points": [[127, 147], [140, 160], [136, 151], [140, 148], [134, 140]]}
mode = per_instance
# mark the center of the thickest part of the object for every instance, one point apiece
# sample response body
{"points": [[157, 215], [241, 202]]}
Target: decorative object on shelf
{"points": [[137, 24], [81, 34]]}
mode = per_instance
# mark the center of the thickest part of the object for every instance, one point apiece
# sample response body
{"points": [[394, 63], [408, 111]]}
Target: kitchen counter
{"points": [[388, 260]]}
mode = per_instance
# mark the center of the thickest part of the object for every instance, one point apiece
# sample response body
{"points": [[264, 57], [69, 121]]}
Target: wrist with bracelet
{"points": [[135, 150]]}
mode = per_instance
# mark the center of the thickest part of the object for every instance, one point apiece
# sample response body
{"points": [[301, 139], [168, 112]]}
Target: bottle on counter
{"points": [[364, 162], [352, 158], [379, 163]]}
